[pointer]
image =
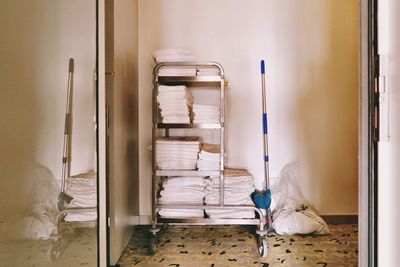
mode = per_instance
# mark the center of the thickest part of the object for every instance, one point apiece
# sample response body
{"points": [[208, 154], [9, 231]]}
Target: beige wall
{"points": [[311, 49], [37, 39]]}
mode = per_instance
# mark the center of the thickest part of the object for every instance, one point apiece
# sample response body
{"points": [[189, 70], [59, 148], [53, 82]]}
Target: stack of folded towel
{"points": [[174, 103], [238, 186], [177, 153], [206, 114], [174, 55], [181, 191], [209, 158], [82, 188]]}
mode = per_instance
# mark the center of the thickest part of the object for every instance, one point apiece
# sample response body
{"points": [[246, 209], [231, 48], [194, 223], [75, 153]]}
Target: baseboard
{"points": [[340, 219]]}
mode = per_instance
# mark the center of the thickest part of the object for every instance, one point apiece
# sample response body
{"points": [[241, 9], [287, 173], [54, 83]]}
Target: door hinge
{"points": [[108, 222]]}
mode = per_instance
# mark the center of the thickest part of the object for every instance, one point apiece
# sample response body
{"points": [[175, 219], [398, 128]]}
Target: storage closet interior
{"points": [[310, 48], [311, 53]]}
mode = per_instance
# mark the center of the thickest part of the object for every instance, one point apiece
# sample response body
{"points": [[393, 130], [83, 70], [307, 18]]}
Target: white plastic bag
{"points": [[37, 219], [291, 212]]}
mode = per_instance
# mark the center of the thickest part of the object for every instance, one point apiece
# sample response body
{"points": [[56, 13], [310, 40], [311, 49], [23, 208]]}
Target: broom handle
{"points": [[265, 125], [67, 130]]}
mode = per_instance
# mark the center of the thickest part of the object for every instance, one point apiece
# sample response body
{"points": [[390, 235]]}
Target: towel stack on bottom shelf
{"points": [[82, 188], [181, 191], [206, 114], [177, 153], [238, 186], [174, 103], [209, 158]]}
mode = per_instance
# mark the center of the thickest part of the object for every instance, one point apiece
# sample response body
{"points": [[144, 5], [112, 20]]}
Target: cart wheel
{"points": [[153, 245], [55, 251], [262, 247]]}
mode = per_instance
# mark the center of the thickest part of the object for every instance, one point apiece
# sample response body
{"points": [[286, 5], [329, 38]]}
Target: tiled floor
{"points": [[236, 246], [78, 249]]}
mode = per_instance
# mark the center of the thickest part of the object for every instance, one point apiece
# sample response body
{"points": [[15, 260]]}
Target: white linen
{"points": [[209, 158], [82, 188], [238, 186], [182, 191], [175, 71], [206, 113], [174, 103]]}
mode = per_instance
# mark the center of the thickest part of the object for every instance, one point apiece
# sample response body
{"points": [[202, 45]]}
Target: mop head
{"points": [[262, 199]]}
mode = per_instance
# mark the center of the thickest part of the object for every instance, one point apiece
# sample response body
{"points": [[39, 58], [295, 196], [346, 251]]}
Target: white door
{"points": [[389, 145]]}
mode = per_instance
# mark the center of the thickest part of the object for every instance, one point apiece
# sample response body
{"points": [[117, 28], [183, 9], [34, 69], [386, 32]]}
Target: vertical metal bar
{"points": [[222, 136], [153, 150], [265, 126]]}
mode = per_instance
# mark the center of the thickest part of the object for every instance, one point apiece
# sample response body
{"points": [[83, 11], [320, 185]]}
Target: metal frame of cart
{"points": [[195, 81]]}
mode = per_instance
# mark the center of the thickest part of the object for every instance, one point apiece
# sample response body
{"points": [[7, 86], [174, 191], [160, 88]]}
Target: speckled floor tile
{"points": [[79, 248], [236, 246]]}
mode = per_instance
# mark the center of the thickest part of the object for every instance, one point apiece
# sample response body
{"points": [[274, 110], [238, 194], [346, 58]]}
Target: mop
{"points": [[262, 199], [63, 198]]}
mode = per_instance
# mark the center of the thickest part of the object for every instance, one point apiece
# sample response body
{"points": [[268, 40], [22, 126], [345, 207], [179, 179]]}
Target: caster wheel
{"points": [[55, 251], [262, 247], [153, 245]]}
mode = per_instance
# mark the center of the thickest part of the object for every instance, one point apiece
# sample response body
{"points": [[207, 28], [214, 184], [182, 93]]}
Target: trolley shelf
{"points": [[207, 221], [189, 79], [186, 173], [188, 125]]}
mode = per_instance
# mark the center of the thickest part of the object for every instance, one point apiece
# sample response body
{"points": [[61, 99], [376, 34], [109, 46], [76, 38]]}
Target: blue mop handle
{"points": [[265, 126]]}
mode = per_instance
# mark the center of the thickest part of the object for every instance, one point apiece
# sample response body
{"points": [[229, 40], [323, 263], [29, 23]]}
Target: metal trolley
{"points": [[217, 81]]}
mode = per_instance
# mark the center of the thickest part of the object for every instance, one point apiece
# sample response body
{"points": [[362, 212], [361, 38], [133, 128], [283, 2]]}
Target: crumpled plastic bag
{"points": [[37, 220], [291, 212]]}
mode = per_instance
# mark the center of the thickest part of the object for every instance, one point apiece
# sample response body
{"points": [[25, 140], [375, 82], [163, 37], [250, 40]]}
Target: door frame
{"points": [[368, 208], [101, 137], [367, 170]]}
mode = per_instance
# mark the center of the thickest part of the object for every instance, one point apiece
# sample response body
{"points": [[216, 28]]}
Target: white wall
{"points": [[311, 49], [388, 166], [37, 40]]}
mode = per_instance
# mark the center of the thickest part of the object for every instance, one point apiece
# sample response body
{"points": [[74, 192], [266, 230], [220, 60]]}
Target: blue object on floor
{"points": [[262, 199]]}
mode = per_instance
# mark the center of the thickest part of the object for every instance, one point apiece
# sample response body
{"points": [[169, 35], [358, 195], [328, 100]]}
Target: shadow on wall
{"points": [[327, 110]]}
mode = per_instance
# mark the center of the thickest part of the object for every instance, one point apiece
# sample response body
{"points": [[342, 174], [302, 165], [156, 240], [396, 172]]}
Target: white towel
{"points": [[206, 165], [173, 71], [184, 181], [181, 213], [81, 217], [230, 214], [175, 58]]}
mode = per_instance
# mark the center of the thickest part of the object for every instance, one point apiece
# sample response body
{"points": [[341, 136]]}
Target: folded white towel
{"points": [[171, 71], [181, 213], [205, 107], [175, 58], [230, 214], [207, 165], [183, 192], [80, 217], [171, 166], [185, 180]]}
